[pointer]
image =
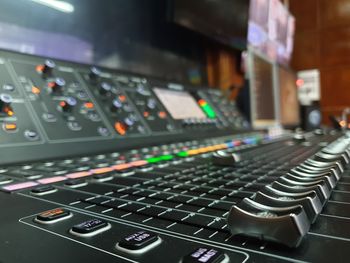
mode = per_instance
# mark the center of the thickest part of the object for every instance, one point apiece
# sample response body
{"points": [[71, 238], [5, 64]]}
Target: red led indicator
{"points": [[300, 82]]}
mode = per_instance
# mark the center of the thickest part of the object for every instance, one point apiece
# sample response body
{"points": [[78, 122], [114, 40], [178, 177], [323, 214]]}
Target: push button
{"points": [[10, 127], [206, 255], [139, 242], [53, 216], [43, 190], [90, 228]]}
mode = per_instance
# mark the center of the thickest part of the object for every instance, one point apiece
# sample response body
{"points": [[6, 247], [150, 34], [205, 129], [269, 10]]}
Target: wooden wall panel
{"points": [[306, 13], [306, 56], [335, 88], [334, 13], [327, 48], [335, 47]]}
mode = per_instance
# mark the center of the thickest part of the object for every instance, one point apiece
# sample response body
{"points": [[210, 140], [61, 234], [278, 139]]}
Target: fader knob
{"points": [[68, 104], [94, 74], [46, 68], [57, 85], [5, 102]]}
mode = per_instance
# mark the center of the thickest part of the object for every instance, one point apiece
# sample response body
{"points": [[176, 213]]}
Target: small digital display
{"points": [[180, 104]]}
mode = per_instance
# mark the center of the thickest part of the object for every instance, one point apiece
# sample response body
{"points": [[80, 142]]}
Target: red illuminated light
{"points": [[300, 82]]}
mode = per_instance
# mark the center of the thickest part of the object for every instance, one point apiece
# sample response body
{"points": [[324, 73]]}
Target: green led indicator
{"points": [[166, 157], [154, 160], [182, 154]]}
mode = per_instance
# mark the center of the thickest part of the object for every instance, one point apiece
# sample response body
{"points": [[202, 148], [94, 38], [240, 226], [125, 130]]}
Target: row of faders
{"points": [[283, 211]]}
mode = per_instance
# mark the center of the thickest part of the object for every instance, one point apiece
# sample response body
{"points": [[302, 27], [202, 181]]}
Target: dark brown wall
{"points": [[323, 41]]}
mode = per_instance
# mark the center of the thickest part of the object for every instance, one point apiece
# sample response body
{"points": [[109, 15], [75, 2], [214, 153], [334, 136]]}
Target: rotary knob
{"points": [[105, 88], [46, 68], [94, 74], [116, 105], [68, 104], [5, 104], [56, 85]]}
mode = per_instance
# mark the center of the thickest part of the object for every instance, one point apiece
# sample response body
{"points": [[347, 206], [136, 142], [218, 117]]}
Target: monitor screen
{"points": [[288, 97], [271, 29], [223, 20], [180, 104], [262, 92]]}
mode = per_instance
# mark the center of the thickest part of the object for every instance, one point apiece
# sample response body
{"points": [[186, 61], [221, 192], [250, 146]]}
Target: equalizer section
{"points": [[115, 103], [61, 103]]}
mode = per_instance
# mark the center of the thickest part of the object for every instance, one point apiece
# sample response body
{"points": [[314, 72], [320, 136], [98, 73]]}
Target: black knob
{"points": [[94, 74], [105, 88], [57, 85], [68, 104], [116, 105], [46, 68], [5, 103]]}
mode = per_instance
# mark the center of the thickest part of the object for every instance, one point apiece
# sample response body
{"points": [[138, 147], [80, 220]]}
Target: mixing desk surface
{"points": [[107, 166]]}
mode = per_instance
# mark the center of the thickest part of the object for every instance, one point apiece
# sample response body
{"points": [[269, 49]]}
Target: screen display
{"points": [[271, 29], [180, 104], [262, 93], [289, 105]]}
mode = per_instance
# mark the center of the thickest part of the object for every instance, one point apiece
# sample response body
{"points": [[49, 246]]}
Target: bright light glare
{"points": [[58, 5]]}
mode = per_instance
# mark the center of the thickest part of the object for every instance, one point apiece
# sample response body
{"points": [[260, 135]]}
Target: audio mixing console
{"points": [[99, 165]]}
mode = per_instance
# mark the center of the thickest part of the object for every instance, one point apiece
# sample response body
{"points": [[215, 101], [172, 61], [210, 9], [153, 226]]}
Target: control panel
{"points": [[17, 125], [62, 105], [56, 103]]}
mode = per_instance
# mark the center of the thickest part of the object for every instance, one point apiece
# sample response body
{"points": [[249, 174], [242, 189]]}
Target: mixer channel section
{"points": [[62, 104], [17, 126], [115, 103], [153, 112]]}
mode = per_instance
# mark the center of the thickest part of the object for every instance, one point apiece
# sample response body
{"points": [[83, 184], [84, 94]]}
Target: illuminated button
{"points": [[8, 87], [90, 228], [206, 255], [31, 135], [139, 242], [89, 105], [122, 98], [43, 190], [35, 90], [53, 216], [162, 114], [57, 85], [121, 128], [10, 126]]}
